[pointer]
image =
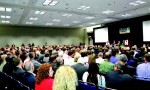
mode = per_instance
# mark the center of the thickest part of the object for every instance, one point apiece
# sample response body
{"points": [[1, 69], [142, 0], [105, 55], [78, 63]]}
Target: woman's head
{"points": [[65, 79], [44, 71], [93, 71]]}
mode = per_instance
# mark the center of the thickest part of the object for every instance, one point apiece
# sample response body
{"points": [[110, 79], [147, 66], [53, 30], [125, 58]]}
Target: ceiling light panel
{"points": [[108, 12], [83, 7], [136, 3], [40, 12], [3, 16], [33, 18], [18, 2], [50, 2]]}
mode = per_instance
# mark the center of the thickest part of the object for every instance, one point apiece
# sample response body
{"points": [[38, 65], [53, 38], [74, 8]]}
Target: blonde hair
{"points": [[65, 79]]}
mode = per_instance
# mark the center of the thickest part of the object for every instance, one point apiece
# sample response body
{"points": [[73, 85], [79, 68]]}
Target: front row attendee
{"points": [[65, 79], [44, 79], [117, 79], [143, 70], [93, 75]]}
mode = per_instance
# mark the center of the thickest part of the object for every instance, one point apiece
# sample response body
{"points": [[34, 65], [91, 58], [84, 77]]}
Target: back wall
{"points": [[41, 35]]}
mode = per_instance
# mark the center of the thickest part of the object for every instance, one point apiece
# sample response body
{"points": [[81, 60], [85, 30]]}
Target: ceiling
{"points": [[70, 13]]}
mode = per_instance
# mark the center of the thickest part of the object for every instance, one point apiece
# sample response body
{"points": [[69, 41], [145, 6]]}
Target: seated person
{"points": [[143, 70], [93, 76], [106, 66], [117, 79], [29, 76]]}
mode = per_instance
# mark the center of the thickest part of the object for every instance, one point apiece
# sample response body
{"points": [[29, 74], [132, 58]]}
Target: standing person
{"points": [[65, 79], [44, 79]]}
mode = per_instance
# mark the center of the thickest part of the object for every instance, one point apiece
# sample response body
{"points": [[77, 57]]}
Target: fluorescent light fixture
{"points": [[66, 24], [47, 2], [53, 3], [84, 7], [29, 22], [37, 12], [107, 19], [8, 9], [56, 20], [90, 17], [108, 11], [136, 3], [40, 12], [75, 21], [32, 18], [49, 23], [133, 4], [92, 23], [140, 2], [67, 15], [8, 16], [2, 8], [2, 16], [5, 21], [126, 15]]}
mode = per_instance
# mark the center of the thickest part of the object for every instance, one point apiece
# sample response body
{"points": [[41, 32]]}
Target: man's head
{"points": [[31, 55], [123, 58], [107, 55], [29, 67], [119, 65], [147, 57]]}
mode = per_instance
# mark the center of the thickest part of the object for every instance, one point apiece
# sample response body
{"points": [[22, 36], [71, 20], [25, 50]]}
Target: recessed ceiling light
{"points": [[8, 9], [136, 3], [49, 23], [2, 16], [92, 23], [5, 21], [107, 19], [40, 12], [53, 3], [66, 24], [67, 15], [29, 22], [133, 4], [126, 15], [140, 2], [47, 2], [108, 11], [2, 9], [56, 20], [75, 21], [90, 17], [84, 7], [32, 18]]}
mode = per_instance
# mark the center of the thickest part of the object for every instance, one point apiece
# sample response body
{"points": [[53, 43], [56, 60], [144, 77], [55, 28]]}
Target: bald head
{"points": [[107, 55], [28, 66]]}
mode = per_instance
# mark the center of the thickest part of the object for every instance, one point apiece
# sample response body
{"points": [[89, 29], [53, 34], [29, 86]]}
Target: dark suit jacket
{"points": [[80, 70], [29, 80], [118, 80], [18, 73]]}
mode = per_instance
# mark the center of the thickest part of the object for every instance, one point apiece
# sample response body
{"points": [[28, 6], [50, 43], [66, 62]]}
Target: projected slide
{"points": [[146, 31], [101, 35]]}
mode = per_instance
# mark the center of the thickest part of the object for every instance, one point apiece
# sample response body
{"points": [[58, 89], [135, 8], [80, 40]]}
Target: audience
{"points": [[65, 79], [80, 58], [44, 76]]}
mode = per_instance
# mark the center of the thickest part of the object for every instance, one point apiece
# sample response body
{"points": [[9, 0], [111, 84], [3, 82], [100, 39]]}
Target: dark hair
{"points": [[113, 52], [16, 61], [93, 71], [31, 55]]}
